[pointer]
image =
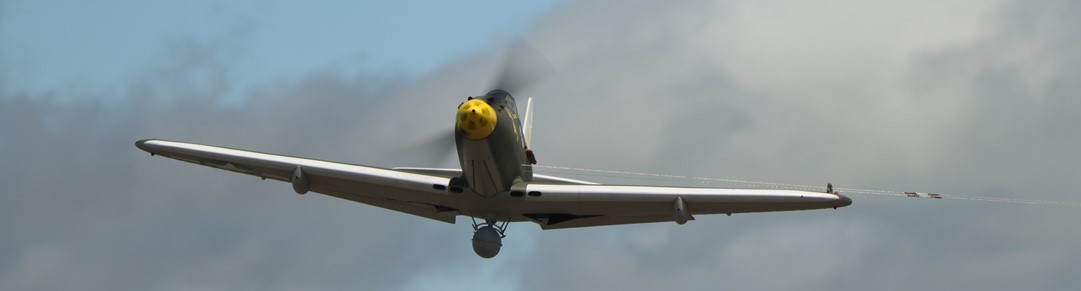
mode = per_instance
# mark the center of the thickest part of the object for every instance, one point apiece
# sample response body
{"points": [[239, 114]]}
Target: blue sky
{"points": [[97, 46]]}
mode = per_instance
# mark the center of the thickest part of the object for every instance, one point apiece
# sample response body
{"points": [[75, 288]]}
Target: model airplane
{"points": [[496, 182]]}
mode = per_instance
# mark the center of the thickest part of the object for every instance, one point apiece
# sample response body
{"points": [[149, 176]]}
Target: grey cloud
{"points": [[89, 211], [863, 97], [980, 109]]}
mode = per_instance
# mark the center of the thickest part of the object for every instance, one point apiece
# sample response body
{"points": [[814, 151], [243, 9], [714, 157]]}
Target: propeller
{"points": [[433, 151], [522, 67]]}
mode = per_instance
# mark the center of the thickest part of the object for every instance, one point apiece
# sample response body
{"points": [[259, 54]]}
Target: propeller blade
{"points": [[523, 66], [434, 151]]}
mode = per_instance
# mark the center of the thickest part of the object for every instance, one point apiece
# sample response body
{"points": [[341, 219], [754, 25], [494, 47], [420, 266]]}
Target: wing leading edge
{"points": [[417, 194]]}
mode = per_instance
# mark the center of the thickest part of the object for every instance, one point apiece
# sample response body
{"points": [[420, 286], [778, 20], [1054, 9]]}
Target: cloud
{"points": [[898, 96], [91, 209], [967, 97]]}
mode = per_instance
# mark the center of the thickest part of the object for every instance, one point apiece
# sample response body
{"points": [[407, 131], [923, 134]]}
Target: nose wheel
{"points": [[488, 237]]}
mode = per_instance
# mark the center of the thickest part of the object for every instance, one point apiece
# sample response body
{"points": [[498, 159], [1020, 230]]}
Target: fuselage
{"points": [[491, 147]]}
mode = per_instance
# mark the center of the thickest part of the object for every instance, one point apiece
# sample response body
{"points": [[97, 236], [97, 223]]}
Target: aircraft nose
{"points": [[476, 119]]}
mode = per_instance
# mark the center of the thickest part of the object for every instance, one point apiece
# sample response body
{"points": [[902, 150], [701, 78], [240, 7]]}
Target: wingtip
{"points": [[845, 201], [141, 144]]}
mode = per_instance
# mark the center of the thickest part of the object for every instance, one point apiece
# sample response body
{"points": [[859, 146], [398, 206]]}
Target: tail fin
{"points": [[527, 123], [527, 131]]}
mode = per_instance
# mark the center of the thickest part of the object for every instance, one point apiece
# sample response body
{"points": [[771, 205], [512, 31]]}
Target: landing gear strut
{"points": [[487, 237]]}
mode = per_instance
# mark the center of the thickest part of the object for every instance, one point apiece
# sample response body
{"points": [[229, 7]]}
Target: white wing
{"points": [[417, 194], [551, 202], [564, 206]]}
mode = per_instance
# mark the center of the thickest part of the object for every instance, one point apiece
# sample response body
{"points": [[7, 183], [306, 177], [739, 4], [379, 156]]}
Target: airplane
{"points": [[495, 182]]}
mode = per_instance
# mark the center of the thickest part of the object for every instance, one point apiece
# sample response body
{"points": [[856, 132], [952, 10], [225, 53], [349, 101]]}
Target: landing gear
{"points": [[487, 237]]}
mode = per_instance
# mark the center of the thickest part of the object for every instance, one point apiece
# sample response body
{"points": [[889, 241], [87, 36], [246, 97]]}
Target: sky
{"points": [[971, 98]]}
